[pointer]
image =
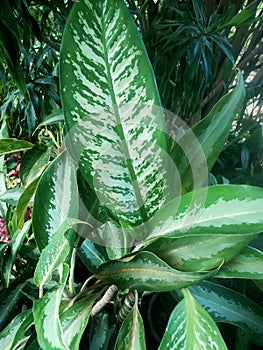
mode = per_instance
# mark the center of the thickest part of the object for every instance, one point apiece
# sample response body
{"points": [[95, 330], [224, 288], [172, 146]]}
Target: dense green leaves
{"points": [[111, 111], [144, 271], [56, 199], [211, 132], [191, 328]]}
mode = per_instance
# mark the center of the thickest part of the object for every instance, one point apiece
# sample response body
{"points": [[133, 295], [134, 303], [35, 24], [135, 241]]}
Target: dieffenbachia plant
{"points": [[122, 197]]}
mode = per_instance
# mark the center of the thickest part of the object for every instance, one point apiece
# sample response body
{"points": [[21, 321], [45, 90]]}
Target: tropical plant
{"points": [[122, 212]]}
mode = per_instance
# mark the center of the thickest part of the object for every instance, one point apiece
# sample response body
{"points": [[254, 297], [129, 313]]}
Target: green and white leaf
{"points": [[52, 255], [46, 317], [190, 327], [228, 306], [15, 330], [144, 271], [199, 252], [112, 110], [74, 321], [217, 209], [12, 195], [131, 335], [247, 264], [56, 199]]}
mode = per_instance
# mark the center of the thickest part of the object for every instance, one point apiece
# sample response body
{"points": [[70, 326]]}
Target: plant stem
{"points": [[107, 297]]}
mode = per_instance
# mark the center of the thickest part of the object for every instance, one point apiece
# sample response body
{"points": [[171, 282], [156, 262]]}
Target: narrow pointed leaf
{"points": [[46, 317], [56, 199], [12, 196], [199, 252], [131, 335], [109, 94], [52, 255], [15, 245], [211, 132], [74, 321], [145, 271], [247, 264], [11, 334], [13, 145], [222, 208], [190, 327], [228, 306]]}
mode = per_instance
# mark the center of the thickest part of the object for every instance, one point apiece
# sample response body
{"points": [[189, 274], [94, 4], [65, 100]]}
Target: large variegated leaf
{"points": [[46, 317], [145, 271], [211, 132], [108, 94], [199, 252], [220, 209], [56, 199], [228, 306], [190, 327], [131, 335], [248, 264]]}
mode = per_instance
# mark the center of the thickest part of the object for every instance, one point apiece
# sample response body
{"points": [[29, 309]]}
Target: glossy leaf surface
{"points": [[109, 94], [199, 252], [146, 272], [13, 145], [190, 327], [46, 317], [74, 321], [90, 255], [247, 264], [228, 306], [131, 335], [220, 209], [56, 199]]}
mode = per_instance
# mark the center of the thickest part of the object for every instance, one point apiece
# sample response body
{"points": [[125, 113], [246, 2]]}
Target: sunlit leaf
{"points": [[13, 145]]}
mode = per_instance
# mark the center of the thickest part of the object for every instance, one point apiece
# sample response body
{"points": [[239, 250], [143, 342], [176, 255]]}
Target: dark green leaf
{"points": [[90, 255], [101, 330], [13, 145], [33, 163]]}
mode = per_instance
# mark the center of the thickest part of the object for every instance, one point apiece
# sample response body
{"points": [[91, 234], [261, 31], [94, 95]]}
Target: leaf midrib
{"points": [[125, 148]]}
